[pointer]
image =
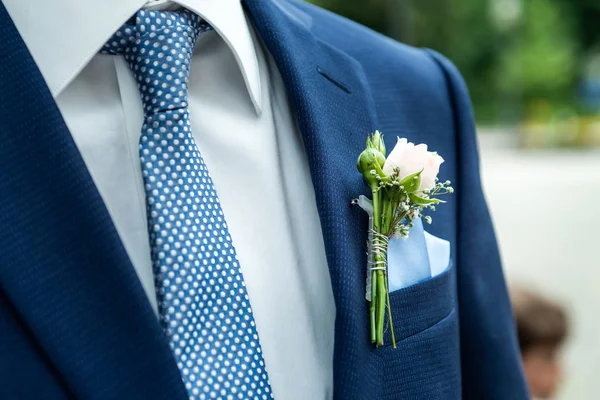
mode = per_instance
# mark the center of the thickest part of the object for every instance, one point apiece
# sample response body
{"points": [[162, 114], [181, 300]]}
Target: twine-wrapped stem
{"points": [[379, 247]]}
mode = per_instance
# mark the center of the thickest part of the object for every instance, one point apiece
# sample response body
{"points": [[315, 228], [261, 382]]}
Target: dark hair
{"points": [[539, 320]]}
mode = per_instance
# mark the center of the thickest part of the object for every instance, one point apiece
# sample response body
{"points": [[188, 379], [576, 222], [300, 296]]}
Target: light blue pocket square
{"points": [[439, 254], [417, 258]]}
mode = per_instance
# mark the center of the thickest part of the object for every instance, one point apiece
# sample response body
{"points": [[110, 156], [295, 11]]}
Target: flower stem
{"points": [[389, 212], [374, 291], [386, 211], [372, 307], [383, 214], [381, 300], [387, 292]]}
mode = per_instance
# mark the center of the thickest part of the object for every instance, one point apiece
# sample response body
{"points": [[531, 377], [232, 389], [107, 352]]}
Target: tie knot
{"points": [[158, 47]]}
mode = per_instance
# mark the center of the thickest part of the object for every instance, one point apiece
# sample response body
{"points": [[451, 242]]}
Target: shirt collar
{"points": [[64, 35]]}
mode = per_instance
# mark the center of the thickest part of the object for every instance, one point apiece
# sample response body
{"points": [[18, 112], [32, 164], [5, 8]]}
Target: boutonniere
{"points": [[403, 186]]}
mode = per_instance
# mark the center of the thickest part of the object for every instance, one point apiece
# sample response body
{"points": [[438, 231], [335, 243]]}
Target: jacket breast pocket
{"points": [[426, 361]]}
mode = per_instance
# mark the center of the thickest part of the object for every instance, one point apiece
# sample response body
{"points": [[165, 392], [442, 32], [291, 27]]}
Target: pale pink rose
{"points": [[410, 159]]}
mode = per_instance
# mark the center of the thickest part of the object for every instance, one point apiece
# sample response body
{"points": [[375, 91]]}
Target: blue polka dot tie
{"points": [[203, 303]]}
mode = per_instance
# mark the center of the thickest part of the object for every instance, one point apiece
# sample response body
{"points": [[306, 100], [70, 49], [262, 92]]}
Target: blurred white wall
{"points": [[545, 206]]}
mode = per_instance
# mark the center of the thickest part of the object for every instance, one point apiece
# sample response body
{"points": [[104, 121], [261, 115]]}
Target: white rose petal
{"points": [[410, 159]]}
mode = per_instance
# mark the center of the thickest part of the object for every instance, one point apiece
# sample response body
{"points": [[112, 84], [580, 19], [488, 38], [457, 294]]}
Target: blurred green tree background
{"points": [[522, 59]]}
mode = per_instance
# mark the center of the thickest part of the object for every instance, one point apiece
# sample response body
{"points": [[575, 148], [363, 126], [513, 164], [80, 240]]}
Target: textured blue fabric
{"points": [[202, 299], [489, 350], [63, 269]]}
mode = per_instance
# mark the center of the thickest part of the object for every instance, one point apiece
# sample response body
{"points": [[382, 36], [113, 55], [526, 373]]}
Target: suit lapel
{"points": [[335, 111], [63, 266]]}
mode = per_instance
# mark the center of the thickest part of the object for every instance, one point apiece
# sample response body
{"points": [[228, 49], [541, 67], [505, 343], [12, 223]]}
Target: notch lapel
{"points": [[63, 267], [335, 112]]}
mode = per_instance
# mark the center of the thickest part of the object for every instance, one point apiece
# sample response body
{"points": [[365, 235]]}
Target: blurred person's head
{"points": [[542, 327]]}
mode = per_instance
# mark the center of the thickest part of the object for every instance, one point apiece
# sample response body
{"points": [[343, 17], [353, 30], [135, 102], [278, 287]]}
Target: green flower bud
{"points": [[378, 144], [369, 164]]}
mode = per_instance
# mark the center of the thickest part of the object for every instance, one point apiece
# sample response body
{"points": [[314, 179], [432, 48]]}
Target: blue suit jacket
{"points": [[74, 320]]}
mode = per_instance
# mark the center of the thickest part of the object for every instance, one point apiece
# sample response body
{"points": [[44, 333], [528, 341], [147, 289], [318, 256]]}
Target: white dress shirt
{"points": [[247, 135]]}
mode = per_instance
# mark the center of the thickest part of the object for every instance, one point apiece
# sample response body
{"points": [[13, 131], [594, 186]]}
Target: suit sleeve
{"points": [[490, 360]]}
